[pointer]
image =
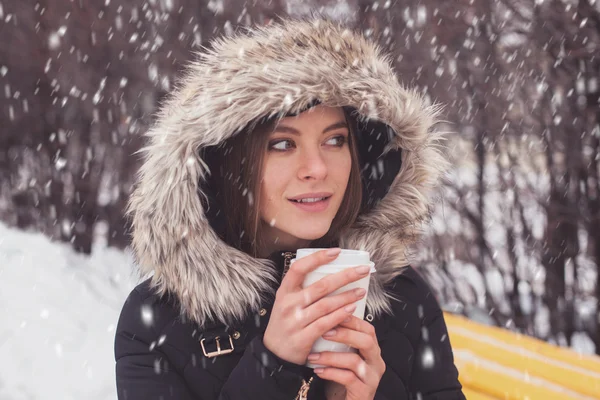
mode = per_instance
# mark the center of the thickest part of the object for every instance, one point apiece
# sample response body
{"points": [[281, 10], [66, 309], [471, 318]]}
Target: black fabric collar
{"points": [[279, 255]]}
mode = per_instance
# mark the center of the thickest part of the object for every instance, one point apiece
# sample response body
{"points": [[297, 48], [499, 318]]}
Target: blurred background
{"points": [[515, 238]]}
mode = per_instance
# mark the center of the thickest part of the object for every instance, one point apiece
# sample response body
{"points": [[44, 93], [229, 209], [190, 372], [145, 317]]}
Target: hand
{"points": [[358, 373], [334, 391], [301, 315]]}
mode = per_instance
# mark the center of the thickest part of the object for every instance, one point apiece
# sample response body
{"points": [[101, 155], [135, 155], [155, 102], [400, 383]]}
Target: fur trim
{"points": [[264, 70]]}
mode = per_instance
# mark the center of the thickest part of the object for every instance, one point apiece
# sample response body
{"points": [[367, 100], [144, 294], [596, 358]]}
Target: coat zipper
{"points": [[288, 255], [303, 393]]}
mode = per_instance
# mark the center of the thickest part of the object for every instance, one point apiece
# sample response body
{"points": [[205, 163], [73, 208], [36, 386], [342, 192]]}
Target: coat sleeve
{"points": [[391, 387], [144, 374], [147, 371], [260, 374], [434, 375], [420, 362], [143, 368]]}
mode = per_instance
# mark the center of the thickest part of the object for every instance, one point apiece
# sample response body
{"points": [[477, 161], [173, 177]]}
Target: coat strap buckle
{"points": [[219, 351]]}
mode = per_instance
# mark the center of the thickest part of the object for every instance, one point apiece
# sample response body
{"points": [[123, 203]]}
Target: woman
{"points": [[288, 136]]}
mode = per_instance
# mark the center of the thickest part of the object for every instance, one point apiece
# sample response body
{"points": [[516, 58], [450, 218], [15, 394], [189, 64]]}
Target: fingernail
{"points": [[333, 252], [313, 357], [350, 308], [363, 269], [319, 370], [359, 292], [330, 333]]}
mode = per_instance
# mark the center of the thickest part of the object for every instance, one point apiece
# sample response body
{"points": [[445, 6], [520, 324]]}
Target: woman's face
{"points": [[307, 157]]}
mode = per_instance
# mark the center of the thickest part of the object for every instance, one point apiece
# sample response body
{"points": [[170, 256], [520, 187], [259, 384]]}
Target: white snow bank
{"points": [[59, 311]]}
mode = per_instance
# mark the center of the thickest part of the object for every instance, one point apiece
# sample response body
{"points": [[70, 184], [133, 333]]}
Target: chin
{"points": [[311, 233]]}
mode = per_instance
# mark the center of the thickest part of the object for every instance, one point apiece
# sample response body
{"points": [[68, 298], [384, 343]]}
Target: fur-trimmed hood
{"points": [[280, 68]]}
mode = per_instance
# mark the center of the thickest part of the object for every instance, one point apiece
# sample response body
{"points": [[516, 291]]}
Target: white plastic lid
{"points": [[345, 259]]}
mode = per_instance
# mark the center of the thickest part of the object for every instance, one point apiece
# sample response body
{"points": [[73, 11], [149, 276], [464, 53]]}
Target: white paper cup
{"points": [[346, 259]]}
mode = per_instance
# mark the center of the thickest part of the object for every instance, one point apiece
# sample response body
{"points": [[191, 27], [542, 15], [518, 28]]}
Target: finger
{"points": [[365, 343], [331, 303], [349, 361], [332, 283], [295, 275], [317, 328], [360, 325], [344, 377]]}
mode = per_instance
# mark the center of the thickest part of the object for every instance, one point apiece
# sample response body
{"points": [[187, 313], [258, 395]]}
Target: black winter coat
{"points": [[159, 355]]}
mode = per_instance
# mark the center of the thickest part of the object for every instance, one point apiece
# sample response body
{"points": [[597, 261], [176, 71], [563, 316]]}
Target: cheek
{"points": [[342, 168], [272, 183], [348, 165]]}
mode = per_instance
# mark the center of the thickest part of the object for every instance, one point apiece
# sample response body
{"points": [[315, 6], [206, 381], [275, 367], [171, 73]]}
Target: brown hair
{"points": [[238, 182]]}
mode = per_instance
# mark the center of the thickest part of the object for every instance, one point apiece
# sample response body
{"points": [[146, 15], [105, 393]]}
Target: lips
{"points": [[311, 195], [312, 206], [310, 200]]}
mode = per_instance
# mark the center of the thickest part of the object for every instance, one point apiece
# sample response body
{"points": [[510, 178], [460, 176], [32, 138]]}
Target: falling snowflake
{"points": [[147, 315], [427, 358], [53, 41]]}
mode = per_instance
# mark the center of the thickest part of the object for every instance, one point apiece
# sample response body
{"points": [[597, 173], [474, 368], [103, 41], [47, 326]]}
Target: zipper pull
{"points": [[288, 255], [303, 393]]}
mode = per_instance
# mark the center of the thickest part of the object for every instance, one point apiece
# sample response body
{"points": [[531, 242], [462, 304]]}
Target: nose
{"points": [[312, 165]]}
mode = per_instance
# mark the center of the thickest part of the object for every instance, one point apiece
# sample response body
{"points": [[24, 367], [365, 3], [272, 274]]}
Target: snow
{"points": [[59, 311], [582, 343], [53, 41], [465, 287], [339, 10]]}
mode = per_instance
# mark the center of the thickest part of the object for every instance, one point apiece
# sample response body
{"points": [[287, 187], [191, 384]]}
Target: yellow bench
{"points": [[495, 363]]}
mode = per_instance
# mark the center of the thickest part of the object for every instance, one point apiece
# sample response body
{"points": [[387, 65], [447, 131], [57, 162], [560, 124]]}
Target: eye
{"points": [[281, 145], [340, 140]]}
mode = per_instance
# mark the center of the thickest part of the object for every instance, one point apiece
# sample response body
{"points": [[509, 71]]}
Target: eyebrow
{"points": [[294, 131]]}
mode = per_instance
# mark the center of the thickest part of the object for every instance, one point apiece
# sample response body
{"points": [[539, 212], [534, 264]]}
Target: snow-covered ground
{"points": [[59, 311]]}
